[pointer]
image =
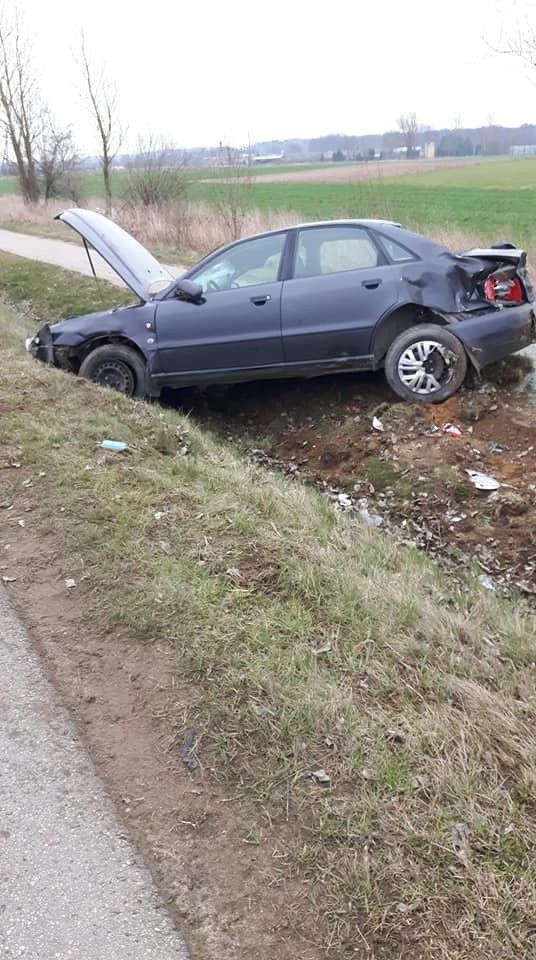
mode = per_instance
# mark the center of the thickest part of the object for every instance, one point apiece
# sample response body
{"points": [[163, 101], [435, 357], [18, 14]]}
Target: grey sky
{"points": [[198, 73]]}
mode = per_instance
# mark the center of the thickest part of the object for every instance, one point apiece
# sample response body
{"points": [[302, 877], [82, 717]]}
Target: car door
{"points": [[341, 284], [237, 326]]}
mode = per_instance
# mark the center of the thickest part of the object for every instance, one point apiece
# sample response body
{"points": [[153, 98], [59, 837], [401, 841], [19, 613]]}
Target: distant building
{"points": [[523, 150]]}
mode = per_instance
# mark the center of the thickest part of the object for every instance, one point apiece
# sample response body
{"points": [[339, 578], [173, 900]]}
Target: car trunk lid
{"points": [[129, 259]]}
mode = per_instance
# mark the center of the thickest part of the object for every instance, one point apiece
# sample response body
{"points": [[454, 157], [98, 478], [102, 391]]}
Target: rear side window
{"points": [[395, 251], [335, 249]]}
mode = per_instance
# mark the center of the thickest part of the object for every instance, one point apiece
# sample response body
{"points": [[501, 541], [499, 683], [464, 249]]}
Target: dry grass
{"points": [[318, 643], [181, 231], [184, 231]]}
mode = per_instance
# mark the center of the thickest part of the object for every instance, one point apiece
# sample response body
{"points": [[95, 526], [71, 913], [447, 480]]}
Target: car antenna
{"points": [[89, 258]]}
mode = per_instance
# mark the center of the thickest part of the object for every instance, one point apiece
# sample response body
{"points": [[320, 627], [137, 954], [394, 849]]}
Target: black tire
{"points": [[117, 367], [427, 363]]}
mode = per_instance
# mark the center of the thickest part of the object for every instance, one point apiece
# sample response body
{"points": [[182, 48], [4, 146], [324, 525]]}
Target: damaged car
{"points": [[320, 298]]}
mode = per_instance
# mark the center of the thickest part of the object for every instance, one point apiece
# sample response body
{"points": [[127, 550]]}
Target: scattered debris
{"points": [[185, 751], [166, 546], [321, 776], [325, 648], [373, 519], [482, 481], [377, 424], [117, 445], [6, 579], [461, 836], [451, 430], [21, 523], [486, 581], [70, 583]]}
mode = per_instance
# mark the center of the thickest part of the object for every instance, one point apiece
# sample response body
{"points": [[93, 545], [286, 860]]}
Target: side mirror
{"points": [[188, 290]]}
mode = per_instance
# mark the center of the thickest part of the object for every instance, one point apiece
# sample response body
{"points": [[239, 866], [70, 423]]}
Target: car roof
{"points": [[362, 222]]}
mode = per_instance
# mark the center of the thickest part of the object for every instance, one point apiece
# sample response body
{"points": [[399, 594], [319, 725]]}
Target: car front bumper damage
{"points": [[40, 345]]}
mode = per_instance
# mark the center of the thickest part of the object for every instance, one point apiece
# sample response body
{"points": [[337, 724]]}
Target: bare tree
{"points": [[20, 113], [58, 160], [409, 128], [101, 97], [233, 188], [157, 175]]}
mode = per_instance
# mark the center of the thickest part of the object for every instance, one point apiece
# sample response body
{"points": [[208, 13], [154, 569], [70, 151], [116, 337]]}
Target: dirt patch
{"points": [[353, 173], [413, 474], [223, 885]]}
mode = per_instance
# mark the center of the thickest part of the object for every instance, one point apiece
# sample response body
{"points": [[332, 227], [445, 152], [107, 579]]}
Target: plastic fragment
{"points": [[321, 776], [377, 424], [451, 430], [373, 519], [117, 445], [486, 581], [186, 755], [482, 481]]}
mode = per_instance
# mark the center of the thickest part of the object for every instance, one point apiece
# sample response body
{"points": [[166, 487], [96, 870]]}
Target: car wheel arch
{"points": [[101, 340], [396, 322]]}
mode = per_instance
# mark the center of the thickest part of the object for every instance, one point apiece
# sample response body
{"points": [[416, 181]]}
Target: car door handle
{"points": [[371, 284], [258, 301]]}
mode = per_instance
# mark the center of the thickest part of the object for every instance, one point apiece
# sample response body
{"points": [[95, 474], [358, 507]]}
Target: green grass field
{"points": [[495, 199]]}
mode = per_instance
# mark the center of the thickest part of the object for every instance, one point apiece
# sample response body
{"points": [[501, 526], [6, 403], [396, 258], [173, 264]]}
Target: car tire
{"points": [[117, 367], [426, 363]]}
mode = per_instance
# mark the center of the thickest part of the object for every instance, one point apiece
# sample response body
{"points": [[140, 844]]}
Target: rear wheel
{"points": [[117, 367], [426, 363]]}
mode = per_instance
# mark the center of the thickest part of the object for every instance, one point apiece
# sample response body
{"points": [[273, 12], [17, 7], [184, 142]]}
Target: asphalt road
{"points": [[71, 885], [71, 256]]}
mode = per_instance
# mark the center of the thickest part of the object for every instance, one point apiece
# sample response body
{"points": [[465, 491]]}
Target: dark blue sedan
{"points": [[319, 298]]}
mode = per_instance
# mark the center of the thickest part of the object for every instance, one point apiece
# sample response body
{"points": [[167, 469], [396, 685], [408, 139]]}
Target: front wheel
{"points": [[117, 367], [426, 363]]}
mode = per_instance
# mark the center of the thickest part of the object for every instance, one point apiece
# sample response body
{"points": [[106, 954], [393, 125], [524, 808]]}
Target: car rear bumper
{"points": [[496, 334]]}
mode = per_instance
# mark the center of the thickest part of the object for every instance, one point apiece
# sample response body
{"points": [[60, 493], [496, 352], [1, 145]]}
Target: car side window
{"points": [[244, 265], [395, 251], [323, 250]]}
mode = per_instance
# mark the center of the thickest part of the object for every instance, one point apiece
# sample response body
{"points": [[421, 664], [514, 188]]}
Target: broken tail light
{"points": [[505, 289]]}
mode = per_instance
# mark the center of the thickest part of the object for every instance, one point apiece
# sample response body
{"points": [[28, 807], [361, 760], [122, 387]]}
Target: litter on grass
{"points": [[117, 445], [482, 481]]}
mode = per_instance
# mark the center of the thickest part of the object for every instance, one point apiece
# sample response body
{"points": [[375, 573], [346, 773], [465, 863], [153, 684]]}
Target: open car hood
{"points": [[130, 260]]}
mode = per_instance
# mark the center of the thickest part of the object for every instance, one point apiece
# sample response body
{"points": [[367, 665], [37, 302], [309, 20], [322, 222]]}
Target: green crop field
{"points": [[495, 199]]}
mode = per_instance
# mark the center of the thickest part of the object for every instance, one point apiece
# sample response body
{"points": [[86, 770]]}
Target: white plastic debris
{"points": [[482, 481], [377, 424], [486, 581], [451, 429], [373, 519], [70, 583], [344, 500]]}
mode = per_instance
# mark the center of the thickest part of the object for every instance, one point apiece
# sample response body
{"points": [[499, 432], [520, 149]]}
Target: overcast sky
{"points": [[202, 72]]}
